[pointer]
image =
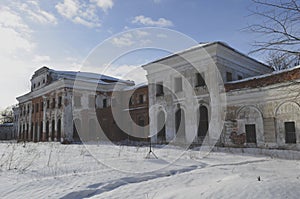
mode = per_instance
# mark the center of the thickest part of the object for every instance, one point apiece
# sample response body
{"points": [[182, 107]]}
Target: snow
{"points": [[52, 170]]}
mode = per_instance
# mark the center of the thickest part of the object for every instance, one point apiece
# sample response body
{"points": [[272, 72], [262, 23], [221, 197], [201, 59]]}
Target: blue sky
{"points": [[61, 33]]}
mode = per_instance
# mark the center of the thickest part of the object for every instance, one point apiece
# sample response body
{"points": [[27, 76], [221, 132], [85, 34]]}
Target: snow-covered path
{"points": [[51, 170]]}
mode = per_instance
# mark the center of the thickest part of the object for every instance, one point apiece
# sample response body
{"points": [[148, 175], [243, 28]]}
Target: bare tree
{"points": [[279, 28], [6, 115]]}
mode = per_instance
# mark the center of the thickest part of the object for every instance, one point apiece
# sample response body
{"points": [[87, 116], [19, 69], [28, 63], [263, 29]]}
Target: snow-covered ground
{"points": [[52, 170]]}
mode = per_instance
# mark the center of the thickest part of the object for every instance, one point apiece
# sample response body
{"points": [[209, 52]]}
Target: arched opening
{"points": [[287, 124], [53, 130], [47, 131], [161, 127], [203, 122], [58, 137], [180, 124], [31, 131], [35, 132], [40, 138], [76, 130], [250, 124]]}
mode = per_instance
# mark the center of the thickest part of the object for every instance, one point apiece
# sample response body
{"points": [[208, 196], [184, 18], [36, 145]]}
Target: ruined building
{"points": [[208, 94]]}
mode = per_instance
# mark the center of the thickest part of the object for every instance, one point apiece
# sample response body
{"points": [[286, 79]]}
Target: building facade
{"points": [[261, 110], [68, 106]]}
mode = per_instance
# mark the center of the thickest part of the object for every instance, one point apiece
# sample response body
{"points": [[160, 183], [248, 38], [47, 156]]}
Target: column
{"points": [[44, 138], [55, 117], [30, 123]]}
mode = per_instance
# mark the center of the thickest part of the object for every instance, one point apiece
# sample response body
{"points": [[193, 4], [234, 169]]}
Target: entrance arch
{"points": [[161, 127], [203, 122], [58, 137]]}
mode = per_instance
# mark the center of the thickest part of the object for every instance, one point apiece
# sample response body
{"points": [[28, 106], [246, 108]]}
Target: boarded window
{"points": [[250, 133], [228, 76], [290, 132], [141, 99], [159, 89], [59, 101]]}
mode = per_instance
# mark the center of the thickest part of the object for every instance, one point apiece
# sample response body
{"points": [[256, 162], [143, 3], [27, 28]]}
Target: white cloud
{"points": [[79, 12], [157, 1], [161, 22], [124, 40], [14, 33], [104, 4], [35, 13]]}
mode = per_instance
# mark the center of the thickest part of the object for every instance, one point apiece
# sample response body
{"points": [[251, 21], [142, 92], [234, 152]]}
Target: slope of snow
{"points": [[51, 170]]}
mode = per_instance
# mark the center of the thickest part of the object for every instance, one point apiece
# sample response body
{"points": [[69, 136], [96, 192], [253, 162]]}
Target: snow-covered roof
{"points": [[265, 80], [203, 45], [86, 76]]}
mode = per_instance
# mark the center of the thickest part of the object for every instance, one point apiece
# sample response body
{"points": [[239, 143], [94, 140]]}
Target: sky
{"points": [[61, 34]]}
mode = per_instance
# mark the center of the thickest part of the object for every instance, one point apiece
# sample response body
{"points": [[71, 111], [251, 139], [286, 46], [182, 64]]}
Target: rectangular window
{"points": [[200, 80], [178, 84], [141, 99], [290, 132], [250, 133], [77, 101], [228, 76], [159, 89], [59, 101], [53, 103], [42, 106], [48, 103], [28, 107], [104, 103]]}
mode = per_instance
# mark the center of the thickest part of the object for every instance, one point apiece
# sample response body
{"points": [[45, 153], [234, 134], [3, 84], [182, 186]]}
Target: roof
{"points": [[204, 45], [86, 76], [265, 80], [141, 85]]}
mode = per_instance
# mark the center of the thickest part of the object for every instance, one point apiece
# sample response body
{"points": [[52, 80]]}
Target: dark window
{"points": [[92, 101], [240, 77], [250, 133], [28, 107], [228, 76], [53, 103], [33, 85], [178, 84], [141, 99], [39, 84], [290, 132], [59, 101], [104, 103], [131, 101], [42, 106], [77, 101], [159, 89], [37, 108], [48, 103], [200, 80], [43, 81]]}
